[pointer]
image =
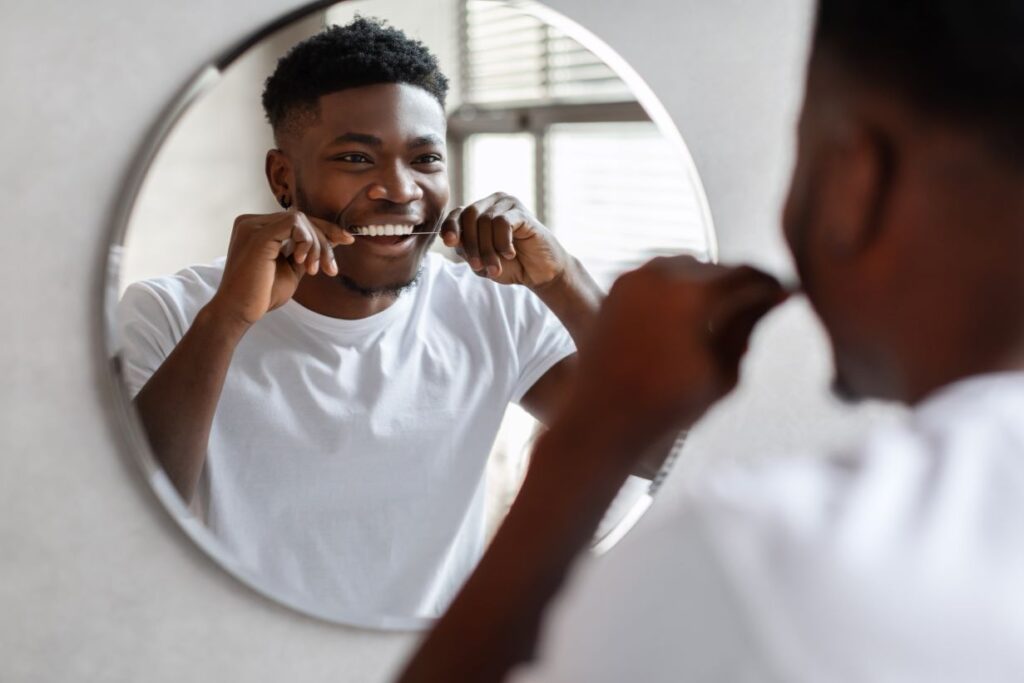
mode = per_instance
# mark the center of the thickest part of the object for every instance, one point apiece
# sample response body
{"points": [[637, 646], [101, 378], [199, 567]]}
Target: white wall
{"points": [[210, 169], [96, 583]]}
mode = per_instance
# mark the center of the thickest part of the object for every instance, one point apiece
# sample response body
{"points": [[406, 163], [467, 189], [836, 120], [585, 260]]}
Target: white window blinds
{"points": [[512, 57], [618, 195]]}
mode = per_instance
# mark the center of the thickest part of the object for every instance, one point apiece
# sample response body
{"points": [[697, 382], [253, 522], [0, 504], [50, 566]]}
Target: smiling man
{"points": [[326, 397]]}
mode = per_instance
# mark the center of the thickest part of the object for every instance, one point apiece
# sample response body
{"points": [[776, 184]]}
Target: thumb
{"points": [[334, 233], [731, 325]]}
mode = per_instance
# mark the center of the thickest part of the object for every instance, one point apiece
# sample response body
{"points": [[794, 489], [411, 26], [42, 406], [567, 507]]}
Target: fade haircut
{"points": [[366, 51], [961, 61]]}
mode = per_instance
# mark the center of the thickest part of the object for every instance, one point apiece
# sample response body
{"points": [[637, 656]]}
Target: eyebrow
{"points": [[374, 141], [426, 141]]}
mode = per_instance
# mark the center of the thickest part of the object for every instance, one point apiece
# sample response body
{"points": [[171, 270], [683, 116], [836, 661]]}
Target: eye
{"points": [[351, 158], [429, 159]]}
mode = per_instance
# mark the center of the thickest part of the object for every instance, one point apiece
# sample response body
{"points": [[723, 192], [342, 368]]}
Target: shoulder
{"points": [[898, 531], [445, 274], [180, 294], [455, 279]]}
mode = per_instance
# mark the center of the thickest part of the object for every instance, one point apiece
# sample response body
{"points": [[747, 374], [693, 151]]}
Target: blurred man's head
{"points": [[359, 122], [906, 210]]}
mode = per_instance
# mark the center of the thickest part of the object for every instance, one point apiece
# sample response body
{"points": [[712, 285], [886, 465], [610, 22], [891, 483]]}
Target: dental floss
{"points": [[411, 234]]}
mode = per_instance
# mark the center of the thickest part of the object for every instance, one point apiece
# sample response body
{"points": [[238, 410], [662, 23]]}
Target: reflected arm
{"points": [[493, 623], [575, 299], [178, 402]]}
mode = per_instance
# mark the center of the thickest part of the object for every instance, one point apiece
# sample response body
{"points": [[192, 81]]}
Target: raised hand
{"points": [[502, 240], [667, 344], [268, 256]]}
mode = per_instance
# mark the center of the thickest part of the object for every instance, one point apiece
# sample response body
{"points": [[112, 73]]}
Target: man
{"points": [[328, 395], [899, 560]]}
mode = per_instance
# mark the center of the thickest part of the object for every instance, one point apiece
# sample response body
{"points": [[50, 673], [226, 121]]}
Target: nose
{"points": [[397, 184]]}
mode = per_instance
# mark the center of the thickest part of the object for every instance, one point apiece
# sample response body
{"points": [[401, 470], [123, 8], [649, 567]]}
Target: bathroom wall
{"points": [[96, 582]]}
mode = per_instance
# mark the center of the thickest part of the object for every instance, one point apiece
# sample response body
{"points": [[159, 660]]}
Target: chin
{"points": [[376, 274], [379, 288]]}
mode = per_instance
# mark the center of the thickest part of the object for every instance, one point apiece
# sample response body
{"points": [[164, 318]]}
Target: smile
{"points": [[389, 241], [382, 230]]}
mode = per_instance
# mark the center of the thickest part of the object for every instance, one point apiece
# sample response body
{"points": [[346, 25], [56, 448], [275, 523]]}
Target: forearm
{"points": [[493, 623], [574, 298], [178, 402]]}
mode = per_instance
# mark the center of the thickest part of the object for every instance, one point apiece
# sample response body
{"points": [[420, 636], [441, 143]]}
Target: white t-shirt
{"points": [[346, 459], [900, 561]]}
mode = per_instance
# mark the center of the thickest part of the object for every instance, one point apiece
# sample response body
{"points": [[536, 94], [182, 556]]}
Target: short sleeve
{"points": [[541, 342], [147, 332]]}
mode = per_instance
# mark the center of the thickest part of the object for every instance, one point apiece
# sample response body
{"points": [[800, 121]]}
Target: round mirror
{"points": [[350, 278]]}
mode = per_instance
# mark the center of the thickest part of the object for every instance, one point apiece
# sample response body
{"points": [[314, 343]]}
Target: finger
{"points": [[301, 242], [335, 234], [287, 248], [732, 321], [684, 266], [242, 228], [450, 233], [730, 279], [489, 260], [502, 235], [327, 262], [468, 236], [283, 229], [305, 228]]}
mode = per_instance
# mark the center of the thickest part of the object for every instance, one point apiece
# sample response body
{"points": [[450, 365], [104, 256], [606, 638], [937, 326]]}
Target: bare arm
{"points": [[501, 240], [575, 299], [178, 402], [640, 379], [493, 623]]}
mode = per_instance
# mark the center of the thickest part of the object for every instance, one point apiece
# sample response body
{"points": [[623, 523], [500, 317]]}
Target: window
{"points": [[541, 117]]}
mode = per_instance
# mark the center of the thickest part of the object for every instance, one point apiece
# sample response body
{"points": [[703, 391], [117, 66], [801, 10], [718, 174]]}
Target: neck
{"points": [[927, 383], [960, 269], [329, 296]]}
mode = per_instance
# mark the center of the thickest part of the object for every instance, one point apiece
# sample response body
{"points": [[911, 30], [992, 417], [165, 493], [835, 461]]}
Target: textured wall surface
{"points": [[96, 582]]}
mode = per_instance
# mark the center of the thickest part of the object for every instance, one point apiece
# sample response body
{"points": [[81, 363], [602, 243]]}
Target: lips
{"points": [[387, 239]]}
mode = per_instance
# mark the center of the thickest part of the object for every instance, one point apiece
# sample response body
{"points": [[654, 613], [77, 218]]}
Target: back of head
{"points": [[961, 60], [907, 218], [363, 52]]}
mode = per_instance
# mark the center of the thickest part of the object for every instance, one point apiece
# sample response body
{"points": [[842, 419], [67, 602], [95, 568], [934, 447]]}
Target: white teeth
{"points": [[383, 230]]}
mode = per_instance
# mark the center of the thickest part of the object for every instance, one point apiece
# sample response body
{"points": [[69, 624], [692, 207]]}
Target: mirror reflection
{"points": [[355, 279]]}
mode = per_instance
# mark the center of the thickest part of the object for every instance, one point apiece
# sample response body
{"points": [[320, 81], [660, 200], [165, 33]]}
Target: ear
{"points": [[856, 189], [280, 175]]}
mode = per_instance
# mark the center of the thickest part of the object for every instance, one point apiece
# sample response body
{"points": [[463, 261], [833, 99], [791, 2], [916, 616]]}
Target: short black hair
{"points": [[366, 51], [959, 60]]}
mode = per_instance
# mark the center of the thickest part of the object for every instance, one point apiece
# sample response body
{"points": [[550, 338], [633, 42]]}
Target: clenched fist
{"points": [[267, 257], [502, 240], [667, 344]]}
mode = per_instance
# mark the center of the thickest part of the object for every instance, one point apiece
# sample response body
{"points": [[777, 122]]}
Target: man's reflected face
{"points": [[375, 156]]}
